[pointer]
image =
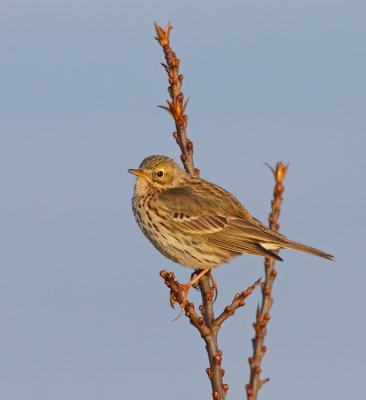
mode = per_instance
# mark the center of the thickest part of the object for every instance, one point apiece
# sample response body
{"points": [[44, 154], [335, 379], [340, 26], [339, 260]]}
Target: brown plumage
{"points": [[197, 223]]}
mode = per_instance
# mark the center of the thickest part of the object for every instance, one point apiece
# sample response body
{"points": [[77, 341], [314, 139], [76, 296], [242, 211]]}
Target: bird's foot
{"points": [[182, 295], [195, 285], [213, 285]]}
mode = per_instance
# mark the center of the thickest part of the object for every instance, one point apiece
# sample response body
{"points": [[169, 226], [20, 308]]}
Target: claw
{"points": [[172, 299], [178, 316], [184, 291], [195, 285], [214, 289]]}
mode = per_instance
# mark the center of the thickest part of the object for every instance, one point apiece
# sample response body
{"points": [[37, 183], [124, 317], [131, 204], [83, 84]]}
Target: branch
{"points": [[207, 326], [215, 373], [176, 109], [177, 106], [263, 312], [236, 303], [190, 312]]}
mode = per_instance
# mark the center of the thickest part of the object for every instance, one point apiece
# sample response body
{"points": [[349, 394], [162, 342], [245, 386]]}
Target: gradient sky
{"points": [[84, 314]]}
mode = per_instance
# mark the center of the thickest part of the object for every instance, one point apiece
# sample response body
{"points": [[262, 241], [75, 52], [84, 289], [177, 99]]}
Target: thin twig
{"points": [[177, 106], [263, 312], [237, 302]]}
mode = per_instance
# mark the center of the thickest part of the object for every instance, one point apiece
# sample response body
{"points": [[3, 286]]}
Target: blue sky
{"points": [[83, 311]]}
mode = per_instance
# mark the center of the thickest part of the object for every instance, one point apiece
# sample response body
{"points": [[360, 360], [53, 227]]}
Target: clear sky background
{"points": [[84, 314]]}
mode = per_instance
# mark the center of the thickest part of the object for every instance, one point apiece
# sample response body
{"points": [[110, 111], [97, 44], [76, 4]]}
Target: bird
{"points": [[198, 224]]}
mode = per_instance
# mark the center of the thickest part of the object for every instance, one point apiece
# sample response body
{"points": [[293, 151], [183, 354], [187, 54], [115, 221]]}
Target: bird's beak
{"points": [[137, 172]]}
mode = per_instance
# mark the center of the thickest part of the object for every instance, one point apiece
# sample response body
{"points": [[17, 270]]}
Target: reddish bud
{"points": [[249, 390], [218, 359], [163, 273], [280, 188], [208, 296], [228, 310]]}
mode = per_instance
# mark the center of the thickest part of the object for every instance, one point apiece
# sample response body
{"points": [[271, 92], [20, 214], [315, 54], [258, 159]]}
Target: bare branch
{"points": [[177, 109], [236, 303], [177, 106], [263, 312]]}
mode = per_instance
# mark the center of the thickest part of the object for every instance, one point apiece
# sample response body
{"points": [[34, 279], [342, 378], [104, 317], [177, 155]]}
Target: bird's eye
{"points": [[160, 174]]}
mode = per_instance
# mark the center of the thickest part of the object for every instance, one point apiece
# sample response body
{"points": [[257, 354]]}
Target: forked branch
{"points": [[208, 326]]}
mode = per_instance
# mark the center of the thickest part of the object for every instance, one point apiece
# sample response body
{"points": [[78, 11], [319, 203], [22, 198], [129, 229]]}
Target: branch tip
{"points": [[279, 172], [163, 35]]}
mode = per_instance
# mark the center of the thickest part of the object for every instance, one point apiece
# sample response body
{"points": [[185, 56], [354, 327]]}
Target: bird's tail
{"points": [[289, 244]]}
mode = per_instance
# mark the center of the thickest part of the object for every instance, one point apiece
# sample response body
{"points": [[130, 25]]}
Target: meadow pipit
{"points": [[197, 223]]}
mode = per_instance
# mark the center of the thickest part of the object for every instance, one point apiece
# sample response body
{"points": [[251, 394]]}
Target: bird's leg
{"points": [[214, 289], [185, 288], [195, 285], [213, 285]]}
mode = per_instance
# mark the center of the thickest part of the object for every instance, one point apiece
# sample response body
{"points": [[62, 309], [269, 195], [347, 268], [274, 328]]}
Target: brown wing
{"points": [[212, 221]]}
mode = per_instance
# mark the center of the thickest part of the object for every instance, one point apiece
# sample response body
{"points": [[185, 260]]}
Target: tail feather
{"points": [[306, 249]]}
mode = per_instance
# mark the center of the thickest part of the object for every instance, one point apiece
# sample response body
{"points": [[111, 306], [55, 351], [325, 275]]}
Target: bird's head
{"points": [[159, 172]]}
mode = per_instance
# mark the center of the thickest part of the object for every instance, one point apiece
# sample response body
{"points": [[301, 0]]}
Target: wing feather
{"points": [[207, 219]]}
